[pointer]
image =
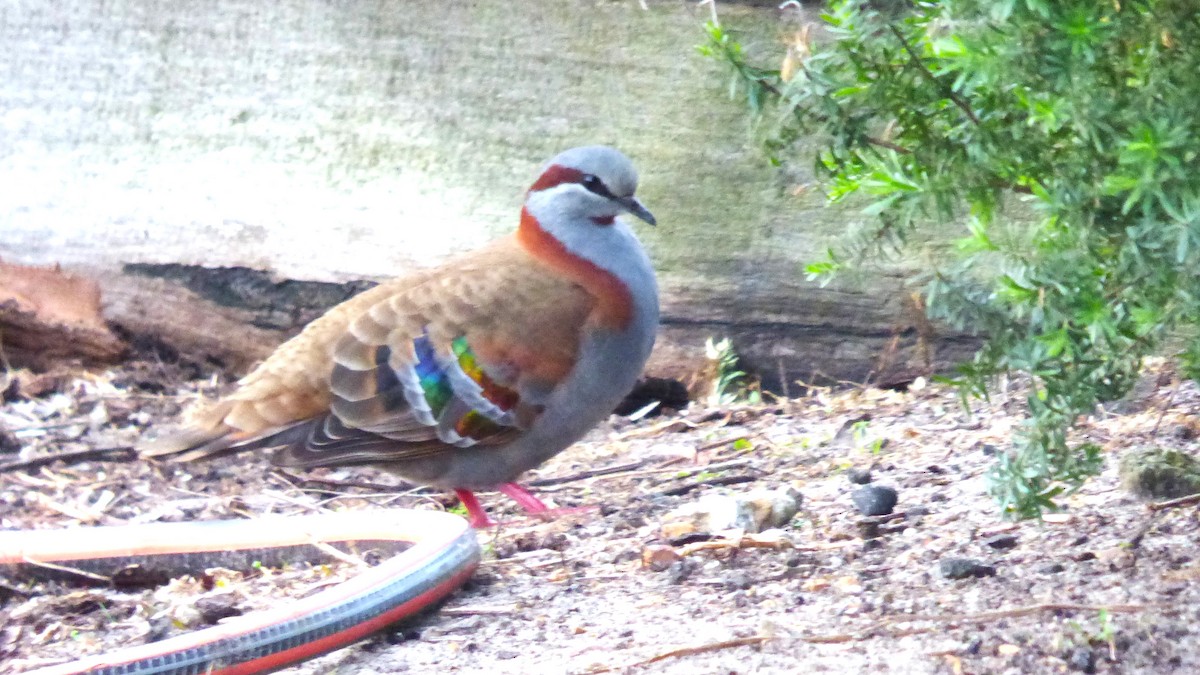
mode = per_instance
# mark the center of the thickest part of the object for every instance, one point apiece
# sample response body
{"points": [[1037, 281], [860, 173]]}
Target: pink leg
{"points": [[521, 496], [479, 518]]}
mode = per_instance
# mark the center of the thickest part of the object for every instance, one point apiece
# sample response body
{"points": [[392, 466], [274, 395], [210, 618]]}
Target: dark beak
{"points": [[635, 208]]}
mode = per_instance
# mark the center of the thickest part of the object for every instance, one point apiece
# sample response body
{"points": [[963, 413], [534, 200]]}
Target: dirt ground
{"points": [[1106, 586]]}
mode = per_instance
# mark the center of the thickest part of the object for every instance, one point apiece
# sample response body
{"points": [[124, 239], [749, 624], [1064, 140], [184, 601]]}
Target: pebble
{"points": [[1002, 542], [859, 476], [679, 571], [875, 500], [738, 580], [213, 608], [1083, 660], [752, 512], [961, 568]]}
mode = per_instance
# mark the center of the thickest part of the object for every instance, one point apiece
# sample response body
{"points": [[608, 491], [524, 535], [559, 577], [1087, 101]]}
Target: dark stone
{"points": [[670, 393], [738, 580], [1002, 542], [868, 529], [973, 647], [692, 538], [859, 476], [680, 570], [961, 568], [1082, 659], [213, 608], [1051, 568], [8, 441], [875, 500]]}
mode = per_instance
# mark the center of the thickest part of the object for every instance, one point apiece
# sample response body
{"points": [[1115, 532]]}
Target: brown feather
{"points": [[517, 313]]}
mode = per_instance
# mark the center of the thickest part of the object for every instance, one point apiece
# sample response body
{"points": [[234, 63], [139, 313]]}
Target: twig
{"points": [[1172, 503], [121, 453], [478, 610], [336, 554], [871, 630], [657, 428], [683, 473], [590, 473], [898, 149], [716, 444], [715, 480], [703, 649], [946, 91], [302, 481], [73, 571], [1166, 407], [1025, 611]]}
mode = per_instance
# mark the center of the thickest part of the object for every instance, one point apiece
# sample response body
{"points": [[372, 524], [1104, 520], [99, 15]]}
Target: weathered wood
{"points": [[358, 140], [47, 316]]}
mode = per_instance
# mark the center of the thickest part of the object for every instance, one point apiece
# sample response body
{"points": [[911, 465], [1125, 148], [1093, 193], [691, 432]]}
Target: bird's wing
{"points": [[454, 357]]}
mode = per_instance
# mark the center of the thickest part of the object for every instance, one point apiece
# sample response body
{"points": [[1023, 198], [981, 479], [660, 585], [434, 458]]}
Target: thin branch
{"points": [[1172, 503], [899, 149], [117, 454], [754, 640], [716, 480], [916, 61], [591, 473]]}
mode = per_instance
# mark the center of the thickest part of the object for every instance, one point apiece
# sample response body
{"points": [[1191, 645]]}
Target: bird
{"points": [[463, 376]]}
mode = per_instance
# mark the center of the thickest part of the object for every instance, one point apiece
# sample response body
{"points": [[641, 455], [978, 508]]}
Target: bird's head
{"points": [[593, 182]]}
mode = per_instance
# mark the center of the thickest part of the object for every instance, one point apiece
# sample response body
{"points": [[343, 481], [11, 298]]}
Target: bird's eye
{"points": [[594, 184]]}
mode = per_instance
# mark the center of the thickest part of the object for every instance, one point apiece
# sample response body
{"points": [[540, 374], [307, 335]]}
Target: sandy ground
{"points": [[1106, 586]]}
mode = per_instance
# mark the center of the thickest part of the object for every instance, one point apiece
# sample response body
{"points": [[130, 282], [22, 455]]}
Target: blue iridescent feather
{"points": [[431, 376]]}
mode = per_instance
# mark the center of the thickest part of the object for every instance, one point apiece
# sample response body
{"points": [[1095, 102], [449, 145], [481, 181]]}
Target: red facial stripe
{"points": [[554, 176], [614, 303]]}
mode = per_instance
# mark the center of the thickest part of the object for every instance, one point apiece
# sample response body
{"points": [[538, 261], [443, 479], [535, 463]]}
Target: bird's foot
{"points": [[478, 518], [520, 495]]}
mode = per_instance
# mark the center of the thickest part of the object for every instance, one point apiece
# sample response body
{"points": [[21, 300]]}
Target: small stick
{"points": [[83, 574], [304, 481], [684, 473], [122, 454], [584, 475], [716, 480], [478, 610], [1172, 503], [703, 649]]}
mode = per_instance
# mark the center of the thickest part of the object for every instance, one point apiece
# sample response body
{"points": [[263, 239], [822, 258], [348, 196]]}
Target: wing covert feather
{"points": [[499, 323]]}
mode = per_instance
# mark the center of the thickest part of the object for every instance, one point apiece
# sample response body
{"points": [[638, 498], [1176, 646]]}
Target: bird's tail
{"points": [[204, 436]]}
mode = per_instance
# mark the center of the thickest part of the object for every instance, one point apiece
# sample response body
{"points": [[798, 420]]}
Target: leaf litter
{"points": [[1107, 585]]}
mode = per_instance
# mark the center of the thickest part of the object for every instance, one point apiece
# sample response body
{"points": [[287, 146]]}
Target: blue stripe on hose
{"points": [[281, 637]]}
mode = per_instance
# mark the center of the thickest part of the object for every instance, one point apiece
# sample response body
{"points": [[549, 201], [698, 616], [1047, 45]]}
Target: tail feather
{"points": [[190, 444]]}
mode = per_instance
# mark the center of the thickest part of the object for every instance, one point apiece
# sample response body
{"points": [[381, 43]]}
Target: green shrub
{"points": [[1058, 141]]}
